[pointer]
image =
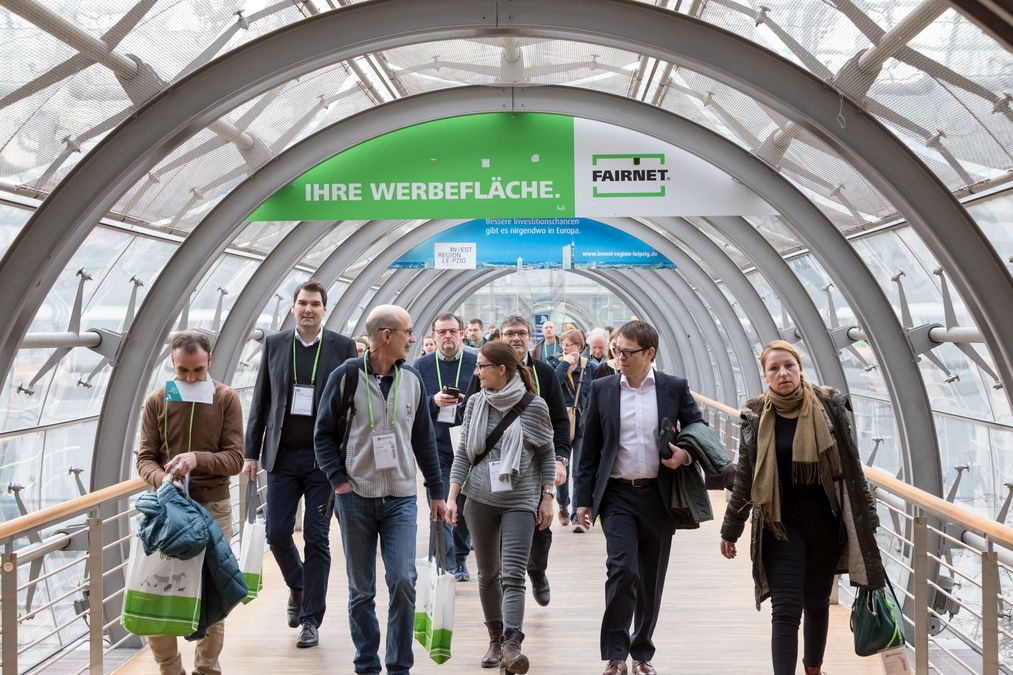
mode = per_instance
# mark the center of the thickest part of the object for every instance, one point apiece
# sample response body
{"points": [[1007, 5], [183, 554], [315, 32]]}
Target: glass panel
{"points": [[12, 219], [994, 216]]}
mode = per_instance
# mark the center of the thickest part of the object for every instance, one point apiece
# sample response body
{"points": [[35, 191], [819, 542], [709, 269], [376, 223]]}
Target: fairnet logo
{"points": [[632, 175]]}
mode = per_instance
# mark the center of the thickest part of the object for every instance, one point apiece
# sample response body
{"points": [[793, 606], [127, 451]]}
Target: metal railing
{"points": [[947, 564], [98, 550]]}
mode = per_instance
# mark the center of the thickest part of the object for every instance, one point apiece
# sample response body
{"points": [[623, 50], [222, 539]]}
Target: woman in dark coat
{"points": [[812, 513]]}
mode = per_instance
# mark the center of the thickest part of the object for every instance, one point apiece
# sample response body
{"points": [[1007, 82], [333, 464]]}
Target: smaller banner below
{"points": [[533, 243]]}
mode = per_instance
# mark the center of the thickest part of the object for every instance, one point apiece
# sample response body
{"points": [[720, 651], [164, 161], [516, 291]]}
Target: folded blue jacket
{"points": [[176, 525]]}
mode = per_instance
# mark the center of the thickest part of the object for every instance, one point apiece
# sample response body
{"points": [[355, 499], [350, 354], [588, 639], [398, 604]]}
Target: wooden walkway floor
{"points": [[708, 623]]}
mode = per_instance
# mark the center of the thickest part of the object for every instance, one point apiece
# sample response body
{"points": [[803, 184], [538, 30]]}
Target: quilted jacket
{"points": [[176, 525]]}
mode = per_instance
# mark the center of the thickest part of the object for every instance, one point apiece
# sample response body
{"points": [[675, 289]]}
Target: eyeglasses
{"points": [[510, 334], [447, 331], [409, 331], [627, 353], [480, 366]]}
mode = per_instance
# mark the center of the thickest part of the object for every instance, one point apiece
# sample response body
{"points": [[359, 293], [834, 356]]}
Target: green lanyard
{"points": [[555, 347], [165, 433], [439, 376], [313, 376], [538, 385], [369, 394]]}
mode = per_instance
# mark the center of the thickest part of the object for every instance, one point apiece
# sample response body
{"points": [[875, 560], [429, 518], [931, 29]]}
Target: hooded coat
{"points": [[860, 557]]}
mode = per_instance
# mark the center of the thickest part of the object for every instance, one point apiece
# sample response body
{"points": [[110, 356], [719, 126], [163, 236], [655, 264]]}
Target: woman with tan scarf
{"points": [[813, 515]]}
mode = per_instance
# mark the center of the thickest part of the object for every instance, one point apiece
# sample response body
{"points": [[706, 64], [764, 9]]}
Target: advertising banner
{"points": [[533, 243], [510, 165]]}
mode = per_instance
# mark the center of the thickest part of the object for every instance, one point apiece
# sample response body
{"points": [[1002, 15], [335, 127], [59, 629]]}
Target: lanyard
{"points": [[457, 380], [555, 347], [313, 376], [538, 385], [165, 433], [369, 394]]}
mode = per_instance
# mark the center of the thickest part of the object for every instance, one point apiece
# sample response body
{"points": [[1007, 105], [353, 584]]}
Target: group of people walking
{"points": [[506, 439]]}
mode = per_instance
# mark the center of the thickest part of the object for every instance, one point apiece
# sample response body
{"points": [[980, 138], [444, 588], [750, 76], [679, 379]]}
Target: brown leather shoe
{"points": [[564, 515], [643, 668], [615, 667]]}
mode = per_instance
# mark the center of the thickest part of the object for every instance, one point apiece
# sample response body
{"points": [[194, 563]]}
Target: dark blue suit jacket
{"points": [[601, 434], [270, 393]]}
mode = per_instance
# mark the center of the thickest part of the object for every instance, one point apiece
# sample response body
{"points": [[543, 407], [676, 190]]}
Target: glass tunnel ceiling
{"points": [[937, 82]]}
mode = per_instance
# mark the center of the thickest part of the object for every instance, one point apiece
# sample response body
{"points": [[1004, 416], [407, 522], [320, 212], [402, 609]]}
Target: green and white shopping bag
{"points": [[251, 549], [162, 595], [434, 599]]}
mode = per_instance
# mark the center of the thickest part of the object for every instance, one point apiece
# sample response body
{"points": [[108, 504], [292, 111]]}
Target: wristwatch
{"points": [[564, 460], [551, 493]]}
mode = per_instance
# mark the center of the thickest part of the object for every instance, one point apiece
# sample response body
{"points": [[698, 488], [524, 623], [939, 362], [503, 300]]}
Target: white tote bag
{"points": [[434, 599], [162, 595], [251, 549]]}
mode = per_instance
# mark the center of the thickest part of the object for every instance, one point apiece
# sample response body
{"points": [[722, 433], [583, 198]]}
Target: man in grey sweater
{"points": [[389, 431]]}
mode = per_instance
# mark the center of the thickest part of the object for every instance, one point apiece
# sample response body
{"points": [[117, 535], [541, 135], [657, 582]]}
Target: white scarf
{"points": [[511, 443]]}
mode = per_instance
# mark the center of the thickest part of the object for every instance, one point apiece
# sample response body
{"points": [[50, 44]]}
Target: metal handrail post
{"points": [[9, 611], [990, 590], [95, 593], [920, 564]]}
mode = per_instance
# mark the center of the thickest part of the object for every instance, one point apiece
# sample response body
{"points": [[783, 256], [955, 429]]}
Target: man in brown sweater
{"points": [[204, 441]]}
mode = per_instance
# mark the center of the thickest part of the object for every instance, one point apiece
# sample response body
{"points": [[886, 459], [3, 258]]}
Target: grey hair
{"points": [[598, 332], [514, 319]]}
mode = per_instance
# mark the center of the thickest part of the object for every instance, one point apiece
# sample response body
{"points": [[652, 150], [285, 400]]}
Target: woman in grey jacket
{"points": [[813, 515], [509, 493]]}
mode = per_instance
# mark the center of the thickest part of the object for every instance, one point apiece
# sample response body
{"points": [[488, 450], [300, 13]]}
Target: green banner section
{"points": [[497, 165], [151, 614]]}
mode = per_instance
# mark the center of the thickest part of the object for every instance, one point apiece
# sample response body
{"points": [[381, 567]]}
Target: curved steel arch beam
{"points": [[669, 285], [741, 345], [363, 281], [399, 282], [345, 254], [738, 285], [242, 316], [892, 348], [678, 356], [444, 292], [61, 223], [790, 292]]}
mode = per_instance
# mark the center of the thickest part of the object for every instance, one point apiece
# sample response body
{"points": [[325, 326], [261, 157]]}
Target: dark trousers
{"points": [[295, 474], [449, 534], [638, 541], [462, 536], [800, 573], [538, 561]]}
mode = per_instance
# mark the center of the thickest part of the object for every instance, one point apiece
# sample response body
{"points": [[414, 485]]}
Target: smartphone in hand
{"points": [[666, 435]]}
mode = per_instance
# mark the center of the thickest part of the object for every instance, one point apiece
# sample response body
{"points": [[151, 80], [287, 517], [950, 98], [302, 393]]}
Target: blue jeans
{"points": [[362, 520]]}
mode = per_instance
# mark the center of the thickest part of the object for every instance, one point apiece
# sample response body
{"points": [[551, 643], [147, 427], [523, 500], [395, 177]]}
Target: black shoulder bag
{"points": [[345, 413]]}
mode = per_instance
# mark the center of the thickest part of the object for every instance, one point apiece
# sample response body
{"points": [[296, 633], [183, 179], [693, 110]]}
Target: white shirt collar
{"points": [[648, 379], [311, 342]]}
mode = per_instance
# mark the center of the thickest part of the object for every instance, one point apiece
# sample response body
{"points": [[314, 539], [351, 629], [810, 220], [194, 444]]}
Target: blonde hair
{"points": [[574, 337], [783, 346]]}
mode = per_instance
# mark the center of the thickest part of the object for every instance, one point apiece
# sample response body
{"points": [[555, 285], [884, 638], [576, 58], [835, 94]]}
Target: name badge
{"points": [[496, 483], [384, 451], [447, 415], [302, 400], [895, 661]]}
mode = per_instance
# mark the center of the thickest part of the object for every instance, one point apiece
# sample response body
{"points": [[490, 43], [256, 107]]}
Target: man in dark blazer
{"points": [[623, 480], [279, 434]]}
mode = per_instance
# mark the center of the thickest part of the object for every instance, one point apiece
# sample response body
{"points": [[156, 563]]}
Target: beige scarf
{"points": [[811, 441]]}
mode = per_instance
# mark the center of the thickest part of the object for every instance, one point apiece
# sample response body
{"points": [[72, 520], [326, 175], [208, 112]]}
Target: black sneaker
{"points": [[308, 636], [294, 607]]}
